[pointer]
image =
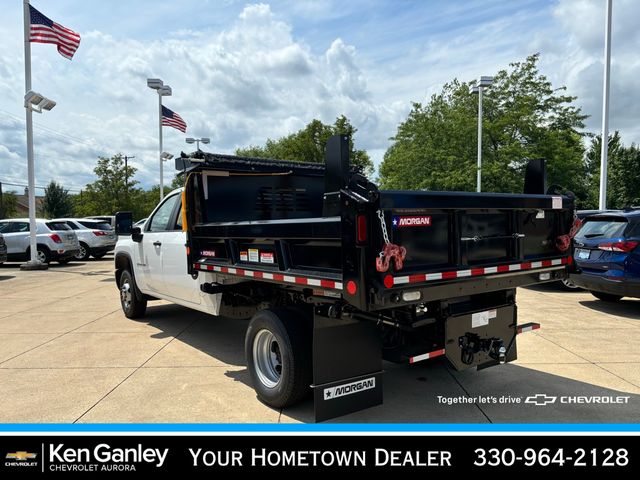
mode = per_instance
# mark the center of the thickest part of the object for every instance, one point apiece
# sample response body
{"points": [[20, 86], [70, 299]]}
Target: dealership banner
{"points": [[347, 452]]}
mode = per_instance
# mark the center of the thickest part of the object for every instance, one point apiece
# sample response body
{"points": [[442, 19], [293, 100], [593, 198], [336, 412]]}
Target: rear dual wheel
{"points": [[278, 353]]}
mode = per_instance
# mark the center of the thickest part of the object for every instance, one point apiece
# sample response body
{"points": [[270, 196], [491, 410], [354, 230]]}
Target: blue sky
{"points": [[244, 72]]}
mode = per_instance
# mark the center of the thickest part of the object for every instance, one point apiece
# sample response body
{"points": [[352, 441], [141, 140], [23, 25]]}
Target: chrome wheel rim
{"points": [[125, 295], [267, 358]]}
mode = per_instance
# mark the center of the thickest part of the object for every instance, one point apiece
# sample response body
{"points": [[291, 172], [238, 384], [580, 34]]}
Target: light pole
{"points": [[481, 83], [197, 141], [604, 148], [163, 91]]}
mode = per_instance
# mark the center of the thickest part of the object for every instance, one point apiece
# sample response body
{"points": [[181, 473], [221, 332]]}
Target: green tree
{"points": [[114, 190], [307, 145], [56, 201], [9, 204], [524, 117], [623, 173]]}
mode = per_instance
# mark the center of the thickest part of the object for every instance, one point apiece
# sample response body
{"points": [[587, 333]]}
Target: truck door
{"points": [[151, 247], [178, 282]]}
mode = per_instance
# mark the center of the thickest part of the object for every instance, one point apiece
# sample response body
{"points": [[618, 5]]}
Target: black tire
{"points": [[42, 253], [278, 354], [607, 297], [98, 255], [131, 306], [85, 251]]}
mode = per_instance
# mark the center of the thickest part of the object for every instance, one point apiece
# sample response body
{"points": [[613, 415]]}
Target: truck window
{"points": [[160, 220]]}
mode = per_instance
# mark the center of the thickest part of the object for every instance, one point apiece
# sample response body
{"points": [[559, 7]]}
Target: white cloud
{"points": [[243, 73]]}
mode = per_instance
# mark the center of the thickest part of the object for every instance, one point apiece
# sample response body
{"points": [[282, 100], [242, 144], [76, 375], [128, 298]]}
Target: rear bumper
{"points": [[65, 253], [599, 283], [103, 249]]}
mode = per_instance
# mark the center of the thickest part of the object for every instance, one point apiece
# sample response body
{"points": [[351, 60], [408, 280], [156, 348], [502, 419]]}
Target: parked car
{"points": [[55, 240], [109, 219], [567, 283], [3, 249], [95, 236], [607, 256]]}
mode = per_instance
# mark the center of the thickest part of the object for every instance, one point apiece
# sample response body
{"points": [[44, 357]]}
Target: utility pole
{"points": [[126, 173]]}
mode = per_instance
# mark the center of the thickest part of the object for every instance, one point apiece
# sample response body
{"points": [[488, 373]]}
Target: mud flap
{"points": [[347, 366]]}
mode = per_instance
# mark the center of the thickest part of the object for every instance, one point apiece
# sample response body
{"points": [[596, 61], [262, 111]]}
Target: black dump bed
{"points": [[321, 228]]}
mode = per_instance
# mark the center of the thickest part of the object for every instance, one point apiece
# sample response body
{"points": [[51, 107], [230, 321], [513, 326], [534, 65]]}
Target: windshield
{"points": [[605, 228]]}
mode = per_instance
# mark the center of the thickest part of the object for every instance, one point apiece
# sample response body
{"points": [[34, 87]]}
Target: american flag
{"points": [[44, 30], [172, 119]]}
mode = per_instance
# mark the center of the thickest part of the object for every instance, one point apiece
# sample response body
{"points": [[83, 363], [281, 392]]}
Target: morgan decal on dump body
{"points": [[415, 221]]}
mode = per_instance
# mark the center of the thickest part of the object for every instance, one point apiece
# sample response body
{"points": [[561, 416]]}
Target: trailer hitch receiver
{"points": [[470, 344]]}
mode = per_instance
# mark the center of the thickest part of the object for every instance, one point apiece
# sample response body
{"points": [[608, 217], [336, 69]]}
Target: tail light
{"points": [[55, 238], [618, 246], [99, 233]]}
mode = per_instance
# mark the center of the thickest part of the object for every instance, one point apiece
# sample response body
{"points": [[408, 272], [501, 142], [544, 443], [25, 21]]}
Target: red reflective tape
{"points": [[257, 274], [477, 271], [240, 272], [426, 356], [301, 280], [525, 266], [503, 268], [327, 283], [416, 278], [277, 276], [546, 263], [224, 269]]}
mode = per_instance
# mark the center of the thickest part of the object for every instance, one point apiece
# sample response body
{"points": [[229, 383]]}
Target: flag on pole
{"points": [[172, 119], [44, 30]]}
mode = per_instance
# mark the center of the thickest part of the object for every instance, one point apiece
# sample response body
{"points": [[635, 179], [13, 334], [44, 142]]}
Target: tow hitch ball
{"points": [[470, 344]]}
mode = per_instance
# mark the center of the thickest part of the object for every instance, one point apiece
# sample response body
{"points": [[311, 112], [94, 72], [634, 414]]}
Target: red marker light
{"points": [[362, 228]]}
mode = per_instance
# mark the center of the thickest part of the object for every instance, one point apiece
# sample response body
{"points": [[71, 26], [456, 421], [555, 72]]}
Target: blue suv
{"points": [[607, 255]]}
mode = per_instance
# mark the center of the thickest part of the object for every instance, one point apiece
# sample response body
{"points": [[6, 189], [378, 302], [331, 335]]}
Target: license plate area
{"points": [[583, 254]]}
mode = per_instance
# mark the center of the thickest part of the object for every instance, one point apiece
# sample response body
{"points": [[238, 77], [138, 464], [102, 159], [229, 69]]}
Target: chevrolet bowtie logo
{"points": [[540, 399], [20, 455]]}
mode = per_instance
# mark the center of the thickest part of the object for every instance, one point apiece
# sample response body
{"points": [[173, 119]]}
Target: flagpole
{"points": [[33, 262], [160, 145]]}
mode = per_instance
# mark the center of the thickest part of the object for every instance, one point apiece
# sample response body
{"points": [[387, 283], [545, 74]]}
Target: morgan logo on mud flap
{"points": [[349, 388]]}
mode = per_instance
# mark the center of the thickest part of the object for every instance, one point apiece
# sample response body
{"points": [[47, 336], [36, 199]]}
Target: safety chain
{"points": [[563, 242], [389, 250], [383, 224]]}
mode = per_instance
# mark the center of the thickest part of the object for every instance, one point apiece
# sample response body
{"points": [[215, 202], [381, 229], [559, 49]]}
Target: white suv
{"points": [[55, 240], [95, 236]]}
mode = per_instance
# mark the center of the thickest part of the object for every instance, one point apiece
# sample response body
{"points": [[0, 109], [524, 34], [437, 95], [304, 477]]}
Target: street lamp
{"points": [[33, 102], [481, 83], [163, 91], [197, 141]]}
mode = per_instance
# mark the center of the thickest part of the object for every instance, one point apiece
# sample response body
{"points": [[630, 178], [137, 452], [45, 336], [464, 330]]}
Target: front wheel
{"points": [[278, 353], [131, 306]]}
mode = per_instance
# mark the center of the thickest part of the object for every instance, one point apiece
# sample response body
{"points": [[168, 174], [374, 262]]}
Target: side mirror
{"points": [[136, 234], [124, 223]]}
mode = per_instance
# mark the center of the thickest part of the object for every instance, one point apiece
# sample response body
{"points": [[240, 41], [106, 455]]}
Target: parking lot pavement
{"points": [[68, 355]]}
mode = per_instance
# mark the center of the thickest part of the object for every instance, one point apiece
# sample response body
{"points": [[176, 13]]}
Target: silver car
{"points": [[55, 240], [95, 236]]}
